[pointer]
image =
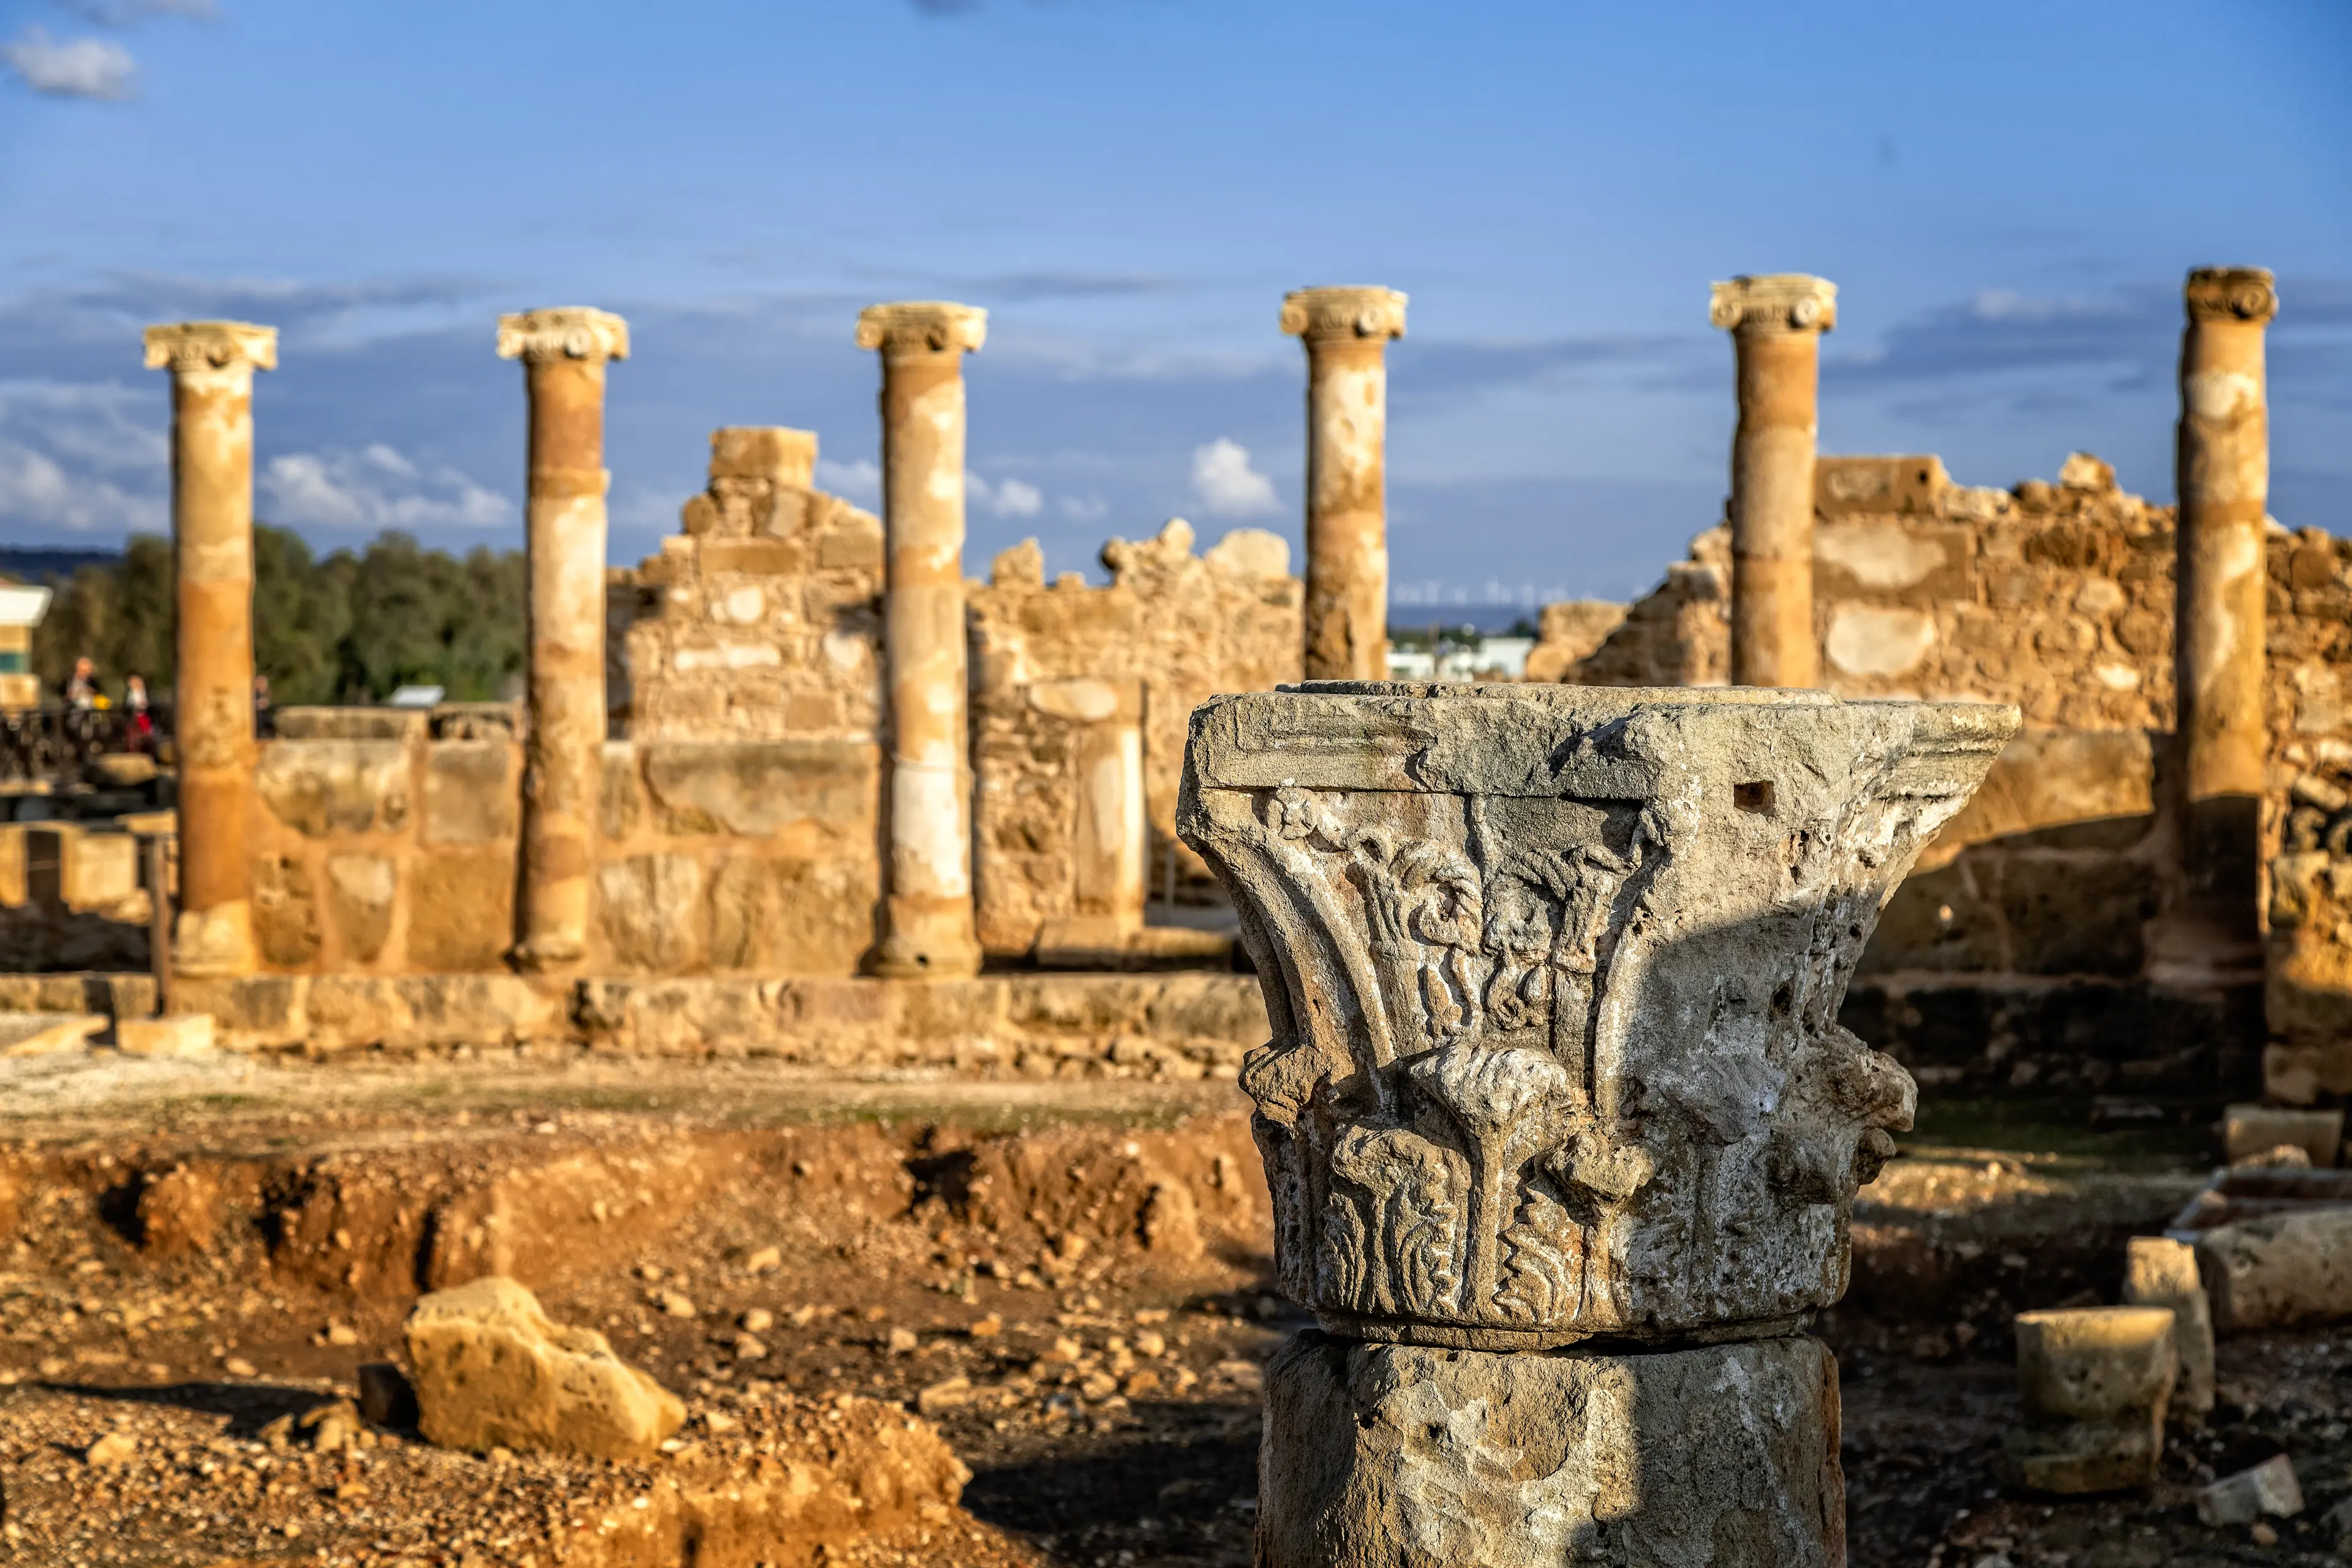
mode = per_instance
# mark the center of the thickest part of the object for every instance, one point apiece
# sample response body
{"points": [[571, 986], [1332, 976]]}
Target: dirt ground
{"points": [[1068, 1280]]}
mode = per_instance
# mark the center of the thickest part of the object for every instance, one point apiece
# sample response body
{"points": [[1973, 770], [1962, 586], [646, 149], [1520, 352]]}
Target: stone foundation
{"points": [[1406, 1456]]}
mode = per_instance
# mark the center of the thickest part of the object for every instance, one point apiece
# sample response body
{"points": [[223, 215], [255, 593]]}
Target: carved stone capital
{"points": [[566, 332], [1328, 315], [2231, 294], [1774, 302], [1554, 976], [185, 346], [922, 326]]}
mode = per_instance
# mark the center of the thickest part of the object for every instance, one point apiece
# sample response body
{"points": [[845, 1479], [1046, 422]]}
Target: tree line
{"points": [[347, 628]]}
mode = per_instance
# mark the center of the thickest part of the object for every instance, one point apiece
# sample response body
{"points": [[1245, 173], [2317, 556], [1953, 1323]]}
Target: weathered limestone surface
{"points": [[2279, 1270], [1567, 634], [564, 354], [928, 919], [212, 365], [1776, 323], [2096, 1382], [1346, 333], [1554, 975], [1062, 814], [1385, 1456], [2162, 1273], [492, 1370], [2248, 1131]]}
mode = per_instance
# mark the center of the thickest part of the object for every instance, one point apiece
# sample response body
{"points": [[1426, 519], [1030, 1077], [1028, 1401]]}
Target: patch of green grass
{"points": [[2060, 1130]]}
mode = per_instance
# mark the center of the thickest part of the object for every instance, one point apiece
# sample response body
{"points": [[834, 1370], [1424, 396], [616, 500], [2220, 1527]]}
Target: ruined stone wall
{"points": [[1183, 626], [72, 896], [384, 843], [759, 621]]}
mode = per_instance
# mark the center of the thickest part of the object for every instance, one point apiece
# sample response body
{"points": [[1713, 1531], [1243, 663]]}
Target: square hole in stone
{"points": [[1756, 796]]}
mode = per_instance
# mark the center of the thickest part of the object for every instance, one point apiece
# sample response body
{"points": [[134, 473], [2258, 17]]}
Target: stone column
{"points": [[1562, 1131], [564, 351], [1776, 323], [930, 915], [1347, 334], [212, 365], [2222, 478]]}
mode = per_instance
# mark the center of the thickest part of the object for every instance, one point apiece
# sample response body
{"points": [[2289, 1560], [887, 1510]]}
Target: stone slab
{"points": [[2252, 1131], [1413, 1456], [2095, 1382]]}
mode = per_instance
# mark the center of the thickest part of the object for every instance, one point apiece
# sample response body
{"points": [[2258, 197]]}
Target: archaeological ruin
{"points": [[1845, 1061]]}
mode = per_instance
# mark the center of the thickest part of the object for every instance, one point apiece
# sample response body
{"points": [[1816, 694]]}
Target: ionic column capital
{"points": [[922, 326], [2231, 294], [1336, 315], [1774, 302], [185, 346], [566, 332]]}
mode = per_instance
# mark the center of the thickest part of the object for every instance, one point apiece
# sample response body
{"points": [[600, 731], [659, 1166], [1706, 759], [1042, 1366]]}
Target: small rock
{"points": [[1243, 1374], [1102, 1386], [1140, 1382], [902, 1342], [2263, 1535], [718, 1420], [758, 1320], [801, 1316], [673, 1304], [491, 1369], [181, 1035], [1066, 1349], [2269, 1487], [1150, 1345], [945, 1394], [765, 1261], [341, 1334], [114, 1448], [2339, 1518], [751, 1347], [988, 1327], [237, 1366], [334, 1427]]}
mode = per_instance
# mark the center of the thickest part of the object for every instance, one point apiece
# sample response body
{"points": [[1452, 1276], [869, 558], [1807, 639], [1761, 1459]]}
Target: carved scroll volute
{"points": [[1553, 977]]}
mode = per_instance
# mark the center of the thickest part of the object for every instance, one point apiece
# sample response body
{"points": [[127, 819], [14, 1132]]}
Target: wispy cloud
{"points": [[1006, 498], [1226, 484], [124, 13], [1070, 285], [376, 488], [72, 67], [860, 481]]}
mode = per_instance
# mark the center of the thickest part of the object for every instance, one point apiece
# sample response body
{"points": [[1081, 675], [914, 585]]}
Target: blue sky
{"points": [[2006, 194]]}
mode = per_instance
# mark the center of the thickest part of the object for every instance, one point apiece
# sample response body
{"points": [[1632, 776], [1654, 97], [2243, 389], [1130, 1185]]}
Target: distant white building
{"points": [[1489, 658]]}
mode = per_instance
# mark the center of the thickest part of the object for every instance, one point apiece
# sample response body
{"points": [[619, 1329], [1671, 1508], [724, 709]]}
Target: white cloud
{"points": [[375, 487], [1006, 498], [859, 482], [37, 492], [72, 67], [1226, 484], [1085, 511]]}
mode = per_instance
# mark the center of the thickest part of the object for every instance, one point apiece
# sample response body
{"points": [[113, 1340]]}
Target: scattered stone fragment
{"points": [[334, 1427], [674, 1304], [182, 1034], [765, 1261], [114, 1448], [2251, 1132], [2270, 1488], [2162, 1273], [902, 1342], [491, 1369], [2278, 1270], [758, 1320], [947, 1394], [750, 1347], [2096, 1382], [237, 1366], [341, 1333]]}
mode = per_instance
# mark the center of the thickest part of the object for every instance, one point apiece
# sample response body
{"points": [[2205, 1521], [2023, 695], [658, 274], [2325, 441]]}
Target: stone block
{"points": [[490, 1370], [402, 724], [471, 794], [650, 909], [2158, 1272], [1842, 485], [178, 1034], [285, 911], [2044, 778], [771, 557], [2250, 1131], [48, 1034], [764, 452], [1887, 558], [2278, 1270], [2270, 1488], [2096, 1382], [359, 893], [461, 910], [1384, 1456], [102, 869], [324, 786], [619, 802], [477, 721], [849, 549], [752, 789]]}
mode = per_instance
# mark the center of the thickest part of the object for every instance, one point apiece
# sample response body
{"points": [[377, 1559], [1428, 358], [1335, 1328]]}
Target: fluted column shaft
{"points": [[212, 365], [1347, 334], [2224, 482], [564, 353], [1776, 322], [930, 920]]}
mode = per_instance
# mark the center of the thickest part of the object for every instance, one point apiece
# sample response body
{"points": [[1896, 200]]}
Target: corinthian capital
{"points": [[567, 331], [211, 345], [1774, 302], [1554, 1001], [1327, 315], [2231, 294], [922, 326]]}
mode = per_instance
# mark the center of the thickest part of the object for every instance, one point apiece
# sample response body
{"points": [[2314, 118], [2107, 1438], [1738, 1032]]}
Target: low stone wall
{"points": [[1180, 1025], [72, 897], [384, 842]]}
